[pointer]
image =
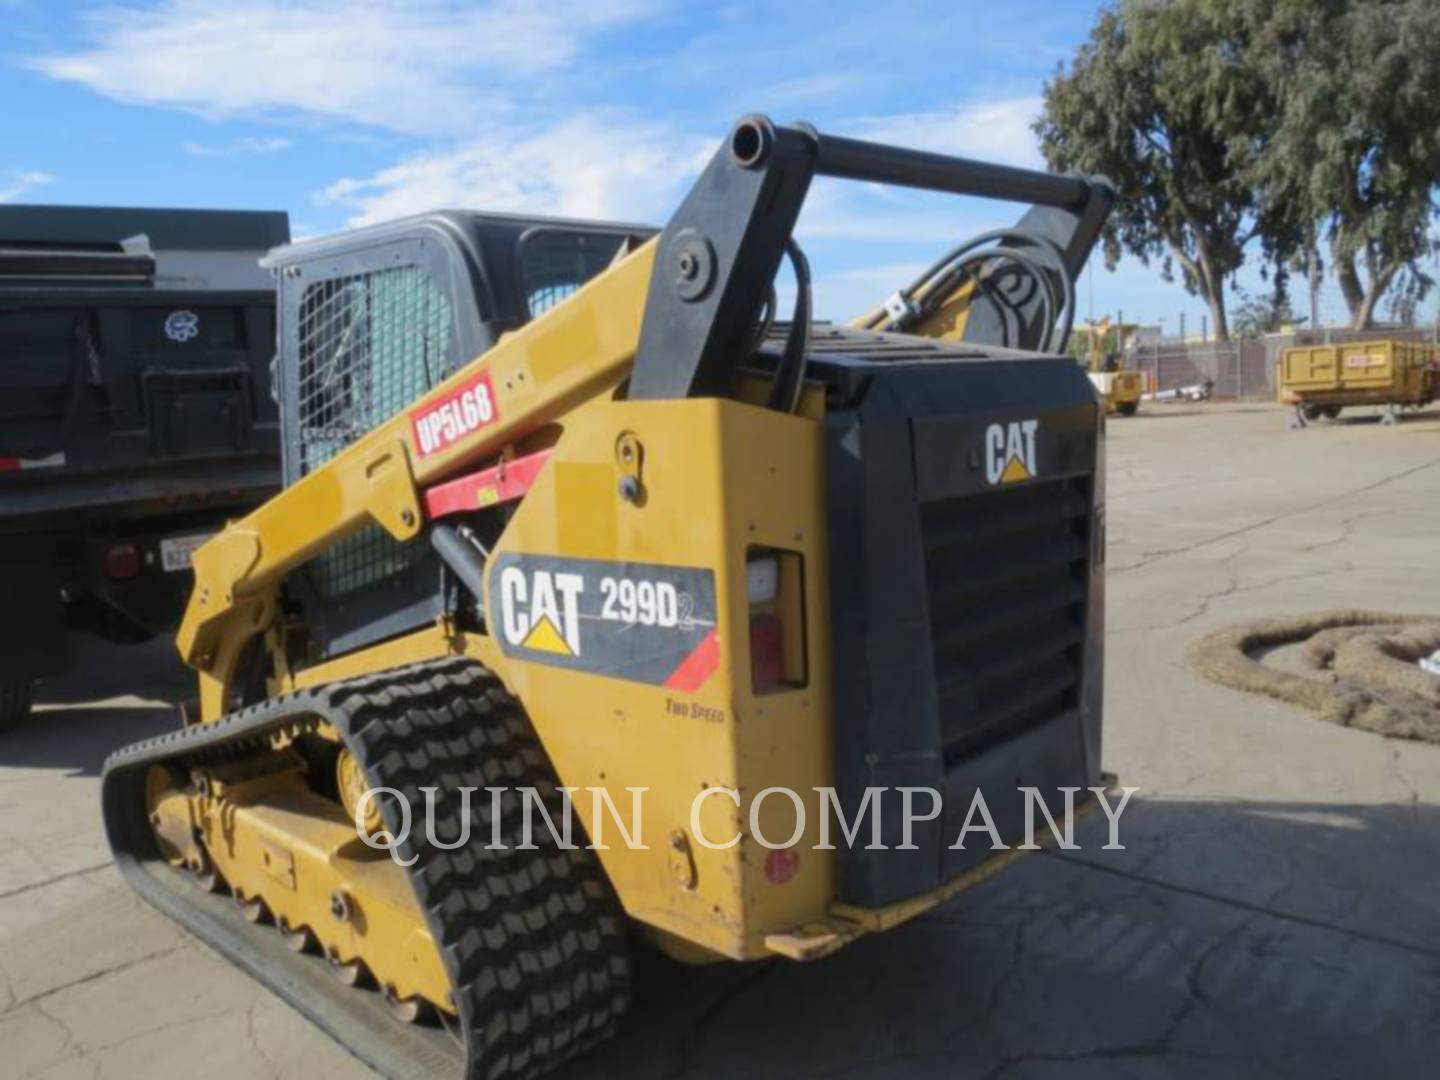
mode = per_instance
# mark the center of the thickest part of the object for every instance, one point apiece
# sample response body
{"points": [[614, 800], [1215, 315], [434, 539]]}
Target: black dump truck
{"points": [[136, 417]]}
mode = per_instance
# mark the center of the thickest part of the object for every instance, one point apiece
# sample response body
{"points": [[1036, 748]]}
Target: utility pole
{"points": [[1182, 328], [1314, 271], [1090, 282]]}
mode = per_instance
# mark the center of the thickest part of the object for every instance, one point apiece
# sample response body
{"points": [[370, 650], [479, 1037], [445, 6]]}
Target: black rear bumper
{"points": [[47, 498]]}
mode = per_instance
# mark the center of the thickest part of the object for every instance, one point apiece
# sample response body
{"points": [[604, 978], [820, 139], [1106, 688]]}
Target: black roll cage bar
{"points": [[722, 248]]}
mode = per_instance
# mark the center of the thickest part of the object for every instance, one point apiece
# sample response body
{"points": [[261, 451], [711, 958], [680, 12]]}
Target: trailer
{"points": [[1320, 380]]}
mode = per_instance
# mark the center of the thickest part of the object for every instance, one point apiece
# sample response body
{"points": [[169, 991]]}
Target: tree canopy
{"points": [[1231, 125], [1355, 151], [1265, 314]]}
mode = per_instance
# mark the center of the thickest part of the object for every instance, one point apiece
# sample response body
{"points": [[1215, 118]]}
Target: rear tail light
{"points": [[122, 562], [774, 587], [767, 652]]}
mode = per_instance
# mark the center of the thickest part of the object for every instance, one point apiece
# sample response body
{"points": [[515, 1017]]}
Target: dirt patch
{"points": [[1365, 665]]}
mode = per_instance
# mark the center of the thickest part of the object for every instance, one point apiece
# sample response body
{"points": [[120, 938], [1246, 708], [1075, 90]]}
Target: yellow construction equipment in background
{"points": [[1320, 380], [570, 519], [1120, 388]]}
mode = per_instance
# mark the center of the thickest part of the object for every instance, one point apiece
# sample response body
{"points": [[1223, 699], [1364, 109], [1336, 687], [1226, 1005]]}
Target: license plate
{"points": [[175, 552]]}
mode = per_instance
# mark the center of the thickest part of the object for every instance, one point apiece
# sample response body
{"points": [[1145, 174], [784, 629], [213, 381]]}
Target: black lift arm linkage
{"points": [[723, 246]]}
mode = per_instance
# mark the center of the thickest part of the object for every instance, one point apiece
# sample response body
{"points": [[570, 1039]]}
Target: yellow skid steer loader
{"points": [[572, 521]]}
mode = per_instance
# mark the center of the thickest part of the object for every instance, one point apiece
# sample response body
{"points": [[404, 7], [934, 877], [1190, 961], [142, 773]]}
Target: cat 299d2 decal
{"points": [[636, 621]]}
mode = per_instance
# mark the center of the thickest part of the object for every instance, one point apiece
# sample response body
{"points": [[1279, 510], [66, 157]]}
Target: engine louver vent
{"points": [[1008, 575]]}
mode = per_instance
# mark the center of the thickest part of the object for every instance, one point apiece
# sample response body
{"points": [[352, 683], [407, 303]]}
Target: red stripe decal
{"points": [[697, 667], [502, 483]]}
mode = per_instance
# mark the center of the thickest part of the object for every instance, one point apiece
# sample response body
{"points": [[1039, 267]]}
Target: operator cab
{"points": [[369, 321]]}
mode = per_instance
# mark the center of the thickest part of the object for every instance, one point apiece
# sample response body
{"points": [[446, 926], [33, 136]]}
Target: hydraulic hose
{"points": [[1040, 259]]}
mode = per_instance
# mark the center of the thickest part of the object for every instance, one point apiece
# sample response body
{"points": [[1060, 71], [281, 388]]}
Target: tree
{"points": [[1165, 99], [1355, 151], [1269, 314], [1406, 296]]}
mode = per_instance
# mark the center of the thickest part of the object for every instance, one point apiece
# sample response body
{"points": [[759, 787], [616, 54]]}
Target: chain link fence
{"points": [[1240, 370], [1233, 372]]}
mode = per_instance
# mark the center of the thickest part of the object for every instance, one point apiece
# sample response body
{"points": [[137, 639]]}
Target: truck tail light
{"points": [[122, 562]]}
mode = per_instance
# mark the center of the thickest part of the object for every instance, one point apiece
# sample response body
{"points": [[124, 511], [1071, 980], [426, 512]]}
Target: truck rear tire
{"points": [[16, 694]]}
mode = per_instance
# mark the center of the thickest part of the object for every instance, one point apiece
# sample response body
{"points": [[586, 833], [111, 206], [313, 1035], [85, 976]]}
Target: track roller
{"points": [[299, 940], [352, 973], [206, 876], [411, 1010], [251, 910]]}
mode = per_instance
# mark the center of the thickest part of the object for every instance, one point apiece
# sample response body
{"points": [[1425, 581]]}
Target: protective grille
{"points": [[362, 558], [543, 299], [554, 266], [1008, 577], [368, 345]]}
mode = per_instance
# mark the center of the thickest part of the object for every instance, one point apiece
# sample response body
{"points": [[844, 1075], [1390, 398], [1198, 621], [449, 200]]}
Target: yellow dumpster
{"points": [[1320, 380]]}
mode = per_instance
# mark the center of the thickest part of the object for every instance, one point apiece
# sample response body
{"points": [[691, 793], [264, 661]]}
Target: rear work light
{"points": [[775, 590]]}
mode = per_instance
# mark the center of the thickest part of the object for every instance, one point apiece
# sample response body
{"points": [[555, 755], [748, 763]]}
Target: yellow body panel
{"points": [[719, 477], [1362, 372]]}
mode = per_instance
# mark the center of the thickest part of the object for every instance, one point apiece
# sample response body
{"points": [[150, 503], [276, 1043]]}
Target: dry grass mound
{"points": [[1365, 664]]}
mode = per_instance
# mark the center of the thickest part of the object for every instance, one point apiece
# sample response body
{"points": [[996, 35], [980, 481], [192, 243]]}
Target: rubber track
{"points": [[533, 940]]}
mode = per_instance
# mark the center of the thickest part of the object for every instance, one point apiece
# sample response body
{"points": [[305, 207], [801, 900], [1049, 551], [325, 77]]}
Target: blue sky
{"points": [[344, 112]]}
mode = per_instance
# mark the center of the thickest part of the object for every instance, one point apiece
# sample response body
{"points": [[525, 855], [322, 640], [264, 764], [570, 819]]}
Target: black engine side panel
{"points": [[965, 495]]}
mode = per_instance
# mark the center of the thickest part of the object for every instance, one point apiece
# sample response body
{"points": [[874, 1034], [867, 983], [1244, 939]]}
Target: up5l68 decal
{"points": [[439, 424], [637, 621]]}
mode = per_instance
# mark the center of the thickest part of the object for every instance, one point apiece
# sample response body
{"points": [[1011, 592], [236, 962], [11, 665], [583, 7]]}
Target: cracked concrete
{"points": [[1276, 911]]}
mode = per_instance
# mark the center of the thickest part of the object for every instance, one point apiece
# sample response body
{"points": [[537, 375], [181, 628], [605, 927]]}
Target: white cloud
{"points": [[592, 165], [990, 130], [19, 182], [609, 165], [249, 145], [414, 67]]}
